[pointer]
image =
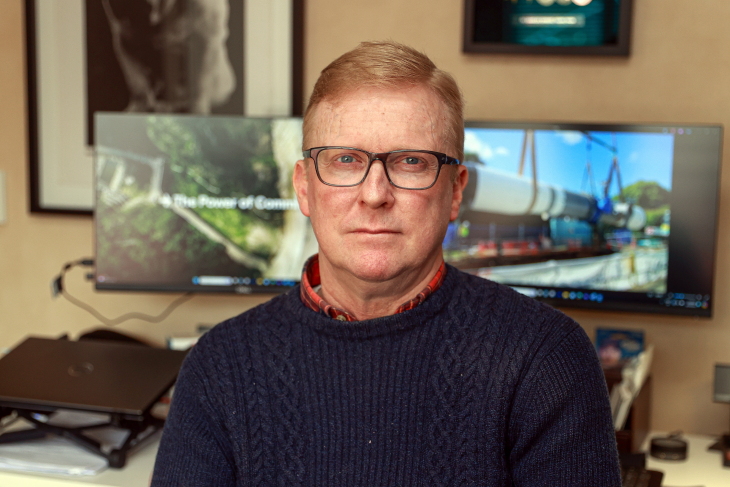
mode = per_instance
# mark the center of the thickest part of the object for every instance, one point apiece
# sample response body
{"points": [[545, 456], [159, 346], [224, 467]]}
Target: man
{"points": [[388, 367]]}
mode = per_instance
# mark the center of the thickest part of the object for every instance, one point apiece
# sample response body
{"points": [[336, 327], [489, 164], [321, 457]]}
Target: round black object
{"points": [[117, 459], [668, 448]]}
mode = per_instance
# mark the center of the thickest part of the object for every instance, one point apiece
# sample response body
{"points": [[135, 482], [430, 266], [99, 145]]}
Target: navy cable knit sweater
{"points": [[476, 386]]}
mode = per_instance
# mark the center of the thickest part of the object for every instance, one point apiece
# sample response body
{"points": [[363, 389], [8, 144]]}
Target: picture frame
{"points": [[480, 24], [59, 157]]}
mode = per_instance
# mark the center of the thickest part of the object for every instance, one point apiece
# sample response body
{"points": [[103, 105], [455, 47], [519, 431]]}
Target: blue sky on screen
{"points": [[562, 155]]}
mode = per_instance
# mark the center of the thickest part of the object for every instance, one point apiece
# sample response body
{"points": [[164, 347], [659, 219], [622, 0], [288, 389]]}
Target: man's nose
{"points": [[376, 189]]}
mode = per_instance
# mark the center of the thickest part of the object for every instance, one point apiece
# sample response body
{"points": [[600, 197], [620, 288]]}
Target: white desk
{"points": [[136, 473], [702, 467]]}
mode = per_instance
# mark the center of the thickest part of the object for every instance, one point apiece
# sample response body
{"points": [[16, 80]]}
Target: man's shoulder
{"points": [[505, 306], [521, 329]]}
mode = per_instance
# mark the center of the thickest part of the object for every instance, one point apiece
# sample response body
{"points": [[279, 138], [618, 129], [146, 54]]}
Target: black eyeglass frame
{"points": [[442, 158]]}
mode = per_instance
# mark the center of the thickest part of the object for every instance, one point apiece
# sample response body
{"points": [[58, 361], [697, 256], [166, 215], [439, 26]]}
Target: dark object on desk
{"points": [[723, 446], [119, 379], [640, 477], [670, 447], [637, 460], [113, 335], [634, 472], [97, 376]]}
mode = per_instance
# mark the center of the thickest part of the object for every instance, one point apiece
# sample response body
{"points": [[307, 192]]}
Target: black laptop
{"points": [[92, 375]]}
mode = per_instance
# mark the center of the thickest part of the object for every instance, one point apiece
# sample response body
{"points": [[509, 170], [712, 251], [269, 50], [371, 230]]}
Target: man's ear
{"points": [[460, 181], [300, 179]]}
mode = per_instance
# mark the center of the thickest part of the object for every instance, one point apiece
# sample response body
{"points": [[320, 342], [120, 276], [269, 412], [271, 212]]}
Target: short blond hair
{"points": [[389, 64]]}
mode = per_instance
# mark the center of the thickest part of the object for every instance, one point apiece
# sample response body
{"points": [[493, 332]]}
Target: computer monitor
{"points": [[194, 203], [617, 217], [620, 217]]}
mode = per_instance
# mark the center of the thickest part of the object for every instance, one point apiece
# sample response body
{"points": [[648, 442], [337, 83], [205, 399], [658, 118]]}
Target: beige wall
{"points": [[679, 71]]}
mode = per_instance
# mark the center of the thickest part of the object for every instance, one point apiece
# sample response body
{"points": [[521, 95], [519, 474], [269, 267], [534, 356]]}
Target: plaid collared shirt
{"points": [[311, 279]]}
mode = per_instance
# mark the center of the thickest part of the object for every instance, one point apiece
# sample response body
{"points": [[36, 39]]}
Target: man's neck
{"points": [[366, 300]]}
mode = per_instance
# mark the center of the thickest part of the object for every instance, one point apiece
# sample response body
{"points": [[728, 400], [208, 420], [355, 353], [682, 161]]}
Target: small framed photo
{"points": [[615, 347], [582, 27]]}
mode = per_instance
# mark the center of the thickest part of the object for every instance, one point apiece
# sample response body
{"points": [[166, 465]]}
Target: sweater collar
{"points": [[311, 279], [414, 317]]}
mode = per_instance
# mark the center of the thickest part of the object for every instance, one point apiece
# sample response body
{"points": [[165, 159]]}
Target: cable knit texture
{"points": [[478, 385]]}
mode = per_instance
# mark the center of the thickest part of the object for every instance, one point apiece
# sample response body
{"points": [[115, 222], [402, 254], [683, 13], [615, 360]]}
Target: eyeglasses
{"points": [[405, 169]]}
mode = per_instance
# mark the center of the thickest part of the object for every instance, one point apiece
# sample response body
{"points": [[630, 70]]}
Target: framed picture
{"points": [[236, 57], [572, 27]]}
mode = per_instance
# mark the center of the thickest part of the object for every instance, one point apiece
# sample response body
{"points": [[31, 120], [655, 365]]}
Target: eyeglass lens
{"points": [[345, 167]]}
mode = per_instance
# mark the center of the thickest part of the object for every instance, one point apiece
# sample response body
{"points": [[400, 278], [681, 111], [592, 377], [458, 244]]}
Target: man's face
{"points": [[375, 231]]}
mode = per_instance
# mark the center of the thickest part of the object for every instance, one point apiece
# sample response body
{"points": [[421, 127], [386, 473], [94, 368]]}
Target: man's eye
{"points": [[346, 159], [410, 161]]}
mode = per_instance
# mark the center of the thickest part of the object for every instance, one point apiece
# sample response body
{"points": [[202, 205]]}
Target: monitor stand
{"points": [[140, 429]]}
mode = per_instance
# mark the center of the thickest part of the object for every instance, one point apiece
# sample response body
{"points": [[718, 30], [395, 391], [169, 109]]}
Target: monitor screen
{"points": [[619, 217], [193, 203], [596, 216]]}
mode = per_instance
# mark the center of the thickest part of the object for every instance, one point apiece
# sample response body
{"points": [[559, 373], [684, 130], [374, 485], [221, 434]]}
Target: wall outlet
{"points": [[3, 200]]}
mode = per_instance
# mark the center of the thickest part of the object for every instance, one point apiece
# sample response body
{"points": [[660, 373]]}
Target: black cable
{"points": [[58, 288]]}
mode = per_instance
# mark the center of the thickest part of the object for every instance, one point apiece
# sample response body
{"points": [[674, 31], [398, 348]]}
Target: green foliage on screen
{"points": [[651, 196], [222, 158]]}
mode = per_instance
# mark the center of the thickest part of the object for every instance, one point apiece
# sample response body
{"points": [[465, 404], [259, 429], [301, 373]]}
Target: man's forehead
{"points": [[398, 114]]}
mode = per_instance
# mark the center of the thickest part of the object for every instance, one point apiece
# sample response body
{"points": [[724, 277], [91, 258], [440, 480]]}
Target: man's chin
{"points": [[374, 275], [376, 267], [374, 264]]}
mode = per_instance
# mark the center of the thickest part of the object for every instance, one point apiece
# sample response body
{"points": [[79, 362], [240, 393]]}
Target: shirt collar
{"points": [[311, 279]]}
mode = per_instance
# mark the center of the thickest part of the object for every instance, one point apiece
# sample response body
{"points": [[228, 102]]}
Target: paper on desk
{"points": [[60, 456], [634, 375], [50, 455]]}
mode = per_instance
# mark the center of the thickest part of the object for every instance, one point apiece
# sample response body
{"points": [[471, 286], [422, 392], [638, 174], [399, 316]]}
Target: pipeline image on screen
{"points": [[567, 208], [588, 213], [198, 203]]}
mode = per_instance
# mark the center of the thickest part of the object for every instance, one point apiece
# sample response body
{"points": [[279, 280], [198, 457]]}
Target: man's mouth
{"points": [[374, 231]]}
